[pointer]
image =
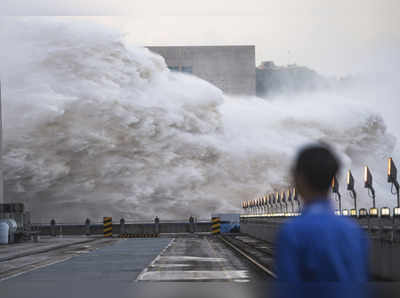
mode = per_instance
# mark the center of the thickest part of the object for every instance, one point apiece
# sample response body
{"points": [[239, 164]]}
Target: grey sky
{"points": [[334, 37]]}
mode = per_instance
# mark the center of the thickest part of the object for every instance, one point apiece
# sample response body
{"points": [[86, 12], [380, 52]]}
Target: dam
{"points": [[129, 165]]}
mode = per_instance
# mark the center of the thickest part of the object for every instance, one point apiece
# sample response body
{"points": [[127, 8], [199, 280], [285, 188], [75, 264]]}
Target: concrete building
{"points": [[272, 79], [230, 68]]}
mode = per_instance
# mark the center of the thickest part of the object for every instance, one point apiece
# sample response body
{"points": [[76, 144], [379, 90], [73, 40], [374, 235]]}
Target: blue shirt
{"points": [[319, 246]]}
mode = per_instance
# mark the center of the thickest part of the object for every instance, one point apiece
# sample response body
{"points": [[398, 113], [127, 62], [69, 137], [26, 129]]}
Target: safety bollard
{"points": [[215, 226], [107, 226], [87, 226], [157, 225], [53, 227], [122, 226], [191, 224], [35, 234]]}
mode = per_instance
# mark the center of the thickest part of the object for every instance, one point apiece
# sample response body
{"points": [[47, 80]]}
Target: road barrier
{"points": [[127, 227], [107, 223]]}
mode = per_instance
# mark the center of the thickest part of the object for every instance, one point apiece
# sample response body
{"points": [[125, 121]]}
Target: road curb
{"points": [[43, 250]]}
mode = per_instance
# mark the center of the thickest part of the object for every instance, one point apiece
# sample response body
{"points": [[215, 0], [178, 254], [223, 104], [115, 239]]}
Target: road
{"points": [[121, 262], [199, 259]]}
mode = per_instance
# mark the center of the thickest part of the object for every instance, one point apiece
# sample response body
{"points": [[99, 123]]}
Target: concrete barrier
{"points": [[384, 238], [127, 228]]}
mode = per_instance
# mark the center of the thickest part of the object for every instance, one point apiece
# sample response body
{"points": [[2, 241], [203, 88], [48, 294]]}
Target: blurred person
{"points": [[318, 247]]}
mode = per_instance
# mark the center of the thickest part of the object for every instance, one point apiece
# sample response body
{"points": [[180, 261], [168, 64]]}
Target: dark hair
{"points": [[318, 165]]}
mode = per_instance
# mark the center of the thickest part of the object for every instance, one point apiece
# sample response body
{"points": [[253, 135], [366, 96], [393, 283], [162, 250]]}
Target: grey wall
{"points": [[231, 68]]}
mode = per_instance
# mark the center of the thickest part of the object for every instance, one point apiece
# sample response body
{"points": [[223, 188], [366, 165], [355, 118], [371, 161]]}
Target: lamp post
{"points": [[295, 198], [278, 201], [259, 203], [290, 199], [283, 199], [269, 199], [258, 206], [335, 189], [392, 178], [266, 204], [273, 203], [371, 191], [353, 194], [263, 204]]}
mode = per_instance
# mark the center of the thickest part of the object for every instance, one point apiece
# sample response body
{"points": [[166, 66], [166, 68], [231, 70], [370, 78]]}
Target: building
{"points": [[272, 79], [230, 68]]}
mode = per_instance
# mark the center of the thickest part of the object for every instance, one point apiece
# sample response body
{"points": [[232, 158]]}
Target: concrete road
{"points": [[199, 259], [121, 267], [31, 259], [45, 243], [122, 261]]}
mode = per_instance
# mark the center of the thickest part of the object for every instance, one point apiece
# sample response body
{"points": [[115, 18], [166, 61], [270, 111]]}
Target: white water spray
{"points": [[96, 127]]}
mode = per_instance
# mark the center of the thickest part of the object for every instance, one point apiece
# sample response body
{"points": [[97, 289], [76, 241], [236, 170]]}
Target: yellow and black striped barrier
{"points": [[107, 222], [215, 225], [138, 236]]}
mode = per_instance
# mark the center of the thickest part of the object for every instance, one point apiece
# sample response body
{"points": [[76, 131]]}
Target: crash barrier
{"points": [[287, 203]]}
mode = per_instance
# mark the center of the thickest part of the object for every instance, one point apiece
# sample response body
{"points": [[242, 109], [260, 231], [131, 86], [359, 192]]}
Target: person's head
{"points": [[313, 170]]}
